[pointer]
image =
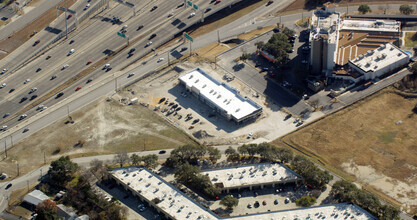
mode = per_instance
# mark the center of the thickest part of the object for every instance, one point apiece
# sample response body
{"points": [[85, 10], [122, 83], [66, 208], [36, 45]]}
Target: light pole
{"points": [[11, 139], [66, 26]]}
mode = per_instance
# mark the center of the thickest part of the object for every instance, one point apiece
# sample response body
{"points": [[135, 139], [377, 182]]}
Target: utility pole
{"points": [[5, 148], [218, 36], [115, 84], [44, 157], [168, 58], [28, 184], [11, 139], [190, 49], [66, 25], [18, 173], [68, 111]]}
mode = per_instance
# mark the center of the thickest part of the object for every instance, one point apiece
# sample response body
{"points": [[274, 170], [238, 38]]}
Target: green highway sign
{"points": [[188, 37], [195, 7], [189, 3], [121, 34]]}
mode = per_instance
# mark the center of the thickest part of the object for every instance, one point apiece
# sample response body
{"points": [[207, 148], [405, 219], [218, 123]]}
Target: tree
{"points": [[121, 158], [388, 212], [135, 159], [62, 170], [364, 8], [305, 201], [47, 210], [245, 56], [288, 32], [214, 153], [284, 155], [187, 153], [230, 151], [406, 9], [414, 68], [260, 45], [229, 202], [150, 161], [186, 172], [342, 191]]}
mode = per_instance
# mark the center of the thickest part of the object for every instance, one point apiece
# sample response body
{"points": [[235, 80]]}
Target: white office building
{"points": [[224, 99]]}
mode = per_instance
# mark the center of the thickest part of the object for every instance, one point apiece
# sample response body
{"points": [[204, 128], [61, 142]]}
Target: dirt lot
{"points": [[375, 140], [100, 128]]}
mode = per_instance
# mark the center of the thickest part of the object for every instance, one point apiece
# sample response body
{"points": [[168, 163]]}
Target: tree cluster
{"points": [[229, 202], [277, 46], [305, 201], [62, 170], [344, 191], [406, 9], [66, 174], [190, 154], [364, 8], [191, 177], [47, 210], [149, 161], [314, 176], [267, 152]]}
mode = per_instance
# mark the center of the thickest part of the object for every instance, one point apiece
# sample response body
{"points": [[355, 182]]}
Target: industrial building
{"points": [[171, 203], [224, 99], [377, 62], [337, 44], [252, 176]]}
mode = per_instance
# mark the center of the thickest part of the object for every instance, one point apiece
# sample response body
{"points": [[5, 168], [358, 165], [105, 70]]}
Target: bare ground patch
{"points": [[365, 141], [100, 128]]}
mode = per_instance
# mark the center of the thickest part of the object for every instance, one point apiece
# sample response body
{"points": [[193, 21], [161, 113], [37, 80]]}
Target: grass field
{"points": [[101, 128], [365, 136], [410, 39]]}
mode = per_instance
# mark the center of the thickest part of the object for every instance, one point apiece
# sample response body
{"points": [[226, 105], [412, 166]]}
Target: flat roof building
{"points": [[252, 176], [173, 204], [380, 61], [224, 99]]}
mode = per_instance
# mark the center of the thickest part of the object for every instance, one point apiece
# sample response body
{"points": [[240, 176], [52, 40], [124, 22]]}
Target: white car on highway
{"points": [[26, 81], [71, 52], [191, 15], [65, 66], [4, 71], [4, 128], [148, 44], [106, 66], [160, 60], [33, 90], [3, 85], [86, 7]]}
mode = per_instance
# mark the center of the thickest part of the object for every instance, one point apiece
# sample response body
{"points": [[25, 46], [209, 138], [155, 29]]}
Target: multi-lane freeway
{"points": [[92, 42]]}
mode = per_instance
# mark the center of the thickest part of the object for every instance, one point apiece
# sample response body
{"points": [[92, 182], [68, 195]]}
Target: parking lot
{"points": [[260, 74]]}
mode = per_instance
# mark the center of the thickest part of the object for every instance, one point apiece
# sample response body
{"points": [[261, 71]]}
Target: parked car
{"points": [[162, 152]]}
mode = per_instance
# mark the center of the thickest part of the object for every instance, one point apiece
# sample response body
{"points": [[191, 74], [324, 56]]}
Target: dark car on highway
{"points": [[33, 97], [140, 27], [9, 185], [162, 151], [23, 99], [59, 95], [152, 36], [154, 7], [131, 50], [11, 90]]}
